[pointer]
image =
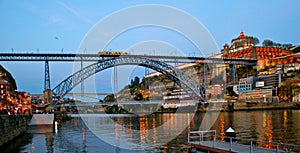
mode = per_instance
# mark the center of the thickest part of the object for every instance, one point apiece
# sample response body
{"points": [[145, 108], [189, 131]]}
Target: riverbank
{"points": [[202, 107], [243, 106], [150, 108]]}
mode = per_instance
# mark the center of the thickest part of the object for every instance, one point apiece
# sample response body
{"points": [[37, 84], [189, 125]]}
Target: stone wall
{"points": [[12, 126], [243, 106], [265, 106]]}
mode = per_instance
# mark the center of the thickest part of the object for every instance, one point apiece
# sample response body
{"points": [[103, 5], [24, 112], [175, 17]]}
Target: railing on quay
{"points": [[276, 146], [200, 137]]}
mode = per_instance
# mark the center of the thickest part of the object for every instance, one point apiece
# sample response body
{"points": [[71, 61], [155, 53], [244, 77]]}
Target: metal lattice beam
{"points": [[47, 76], [95, 57], [176, 75]]}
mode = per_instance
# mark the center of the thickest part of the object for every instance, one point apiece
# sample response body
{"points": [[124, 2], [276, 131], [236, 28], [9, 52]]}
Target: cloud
{"points": [[76, 13], [54, 19]]}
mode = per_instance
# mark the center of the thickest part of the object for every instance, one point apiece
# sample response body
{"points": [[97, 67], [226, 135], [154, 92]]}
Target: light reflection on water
{"points": [[138, 132], [141, 134]]}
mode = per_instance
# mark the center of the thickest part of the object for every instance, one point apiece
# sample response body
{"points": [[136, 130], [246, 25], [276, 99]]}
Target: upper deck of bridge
{"points": [[97, 57]]}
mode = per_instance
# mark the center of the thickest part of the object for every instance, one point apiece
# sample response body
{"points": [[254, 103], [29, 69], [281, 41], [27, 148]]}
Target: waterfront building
{"points": [[7, 89], [4, 91], [10, 99], [289, 90], [262, 87], [268, 81], [296, 95], [215, 92], [245, 85], [295, 90]]}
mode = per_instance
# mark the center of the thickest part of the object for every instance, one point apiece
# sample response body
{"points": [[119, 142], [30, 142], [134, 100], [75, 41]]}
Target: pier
{"points": [[208, 141]]}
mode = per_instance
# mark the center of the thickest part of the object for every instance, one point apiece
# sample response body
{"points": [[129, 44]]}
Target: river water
{"points": [[166, 132]]}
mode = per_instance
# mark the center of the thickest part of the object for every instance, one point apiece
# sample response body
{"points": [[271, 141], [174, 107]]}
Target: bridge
{"points": [[96, 57], [102, 62], [79, 94]]}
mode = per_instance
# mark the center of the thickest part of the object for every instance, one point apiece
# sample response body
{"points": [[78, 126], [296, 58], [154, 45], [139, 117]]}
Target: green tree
{"points": [[138, 96], [135, 82], [255, 41], [268, 43], [109, 98]]}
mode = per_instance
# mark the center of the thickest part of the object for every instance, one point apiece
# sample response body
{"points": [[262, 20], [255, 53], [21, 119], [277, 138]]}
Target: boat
{"points": [[178, 98], [41, 123], [177, 94]]}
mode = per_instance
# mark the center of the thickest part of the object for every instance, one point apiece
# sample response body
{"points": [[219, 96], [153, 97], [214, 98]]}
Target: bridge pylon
{"points": [[233, 74], [48, 96], [47, 88]]}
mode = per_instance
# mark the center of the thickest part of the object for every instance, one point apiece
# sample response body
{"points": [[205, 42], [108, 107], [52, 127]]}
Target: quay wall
{"points": [[203, 107], [263, 106], [12, 126], [243, 106]]}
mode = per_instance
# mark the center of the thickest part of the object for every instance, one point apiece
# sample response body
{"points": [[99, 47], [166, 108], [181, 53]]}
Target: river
{"points": [[165, 132]]}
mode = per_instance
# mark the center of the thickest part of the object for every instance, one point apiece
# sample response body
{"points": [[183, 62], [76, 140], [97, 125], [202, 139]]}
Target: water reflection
{"points": [[17, 145], [271, 126], [268, 134], [222, 126], [150, 132], [49, 142]]}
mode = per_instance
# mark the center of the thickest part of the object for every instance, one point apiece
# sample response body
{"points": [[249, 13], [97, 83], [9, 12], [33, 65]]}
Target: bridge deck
{"points": [[224, 147], [96, 57]]}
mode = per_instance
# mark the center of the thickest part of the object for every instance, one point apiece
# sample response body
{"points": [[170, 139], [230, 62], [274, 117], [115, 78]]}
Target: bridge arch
{"points": [[176, 75]]}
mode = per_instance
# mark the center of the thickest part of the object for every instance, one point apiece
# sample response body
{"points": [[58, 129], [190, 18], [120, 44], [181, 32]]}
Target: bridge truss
{"points": [[181, 79], [96, 57]]}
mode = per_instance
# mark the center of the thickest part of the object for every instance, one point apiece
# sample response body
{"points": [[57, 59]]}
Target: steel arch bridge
{"points": [[185, 81]]}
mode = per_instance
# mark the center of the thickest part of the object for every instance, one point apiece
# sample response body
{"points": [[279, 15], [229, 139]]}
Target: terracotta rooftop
{"points": [[241, 36]]}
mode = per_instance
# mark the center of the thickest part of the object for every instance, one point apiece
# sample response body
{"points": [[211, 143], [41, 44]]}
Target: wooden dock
{"points": [[207, 141]]}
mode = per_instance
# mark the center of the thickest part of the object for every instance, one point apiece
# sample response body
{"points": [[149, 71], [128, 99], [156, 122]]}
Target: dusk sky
{"points": [[60, 27]]}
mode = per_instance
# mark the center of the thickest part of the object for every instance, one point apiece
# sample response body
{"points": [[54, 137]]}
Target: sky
{"points": [[53, 26]]}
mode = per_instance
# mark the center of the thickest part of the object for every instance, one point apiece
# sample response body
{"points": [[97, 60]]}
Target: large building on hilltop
{"points": [[244, 47]]}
